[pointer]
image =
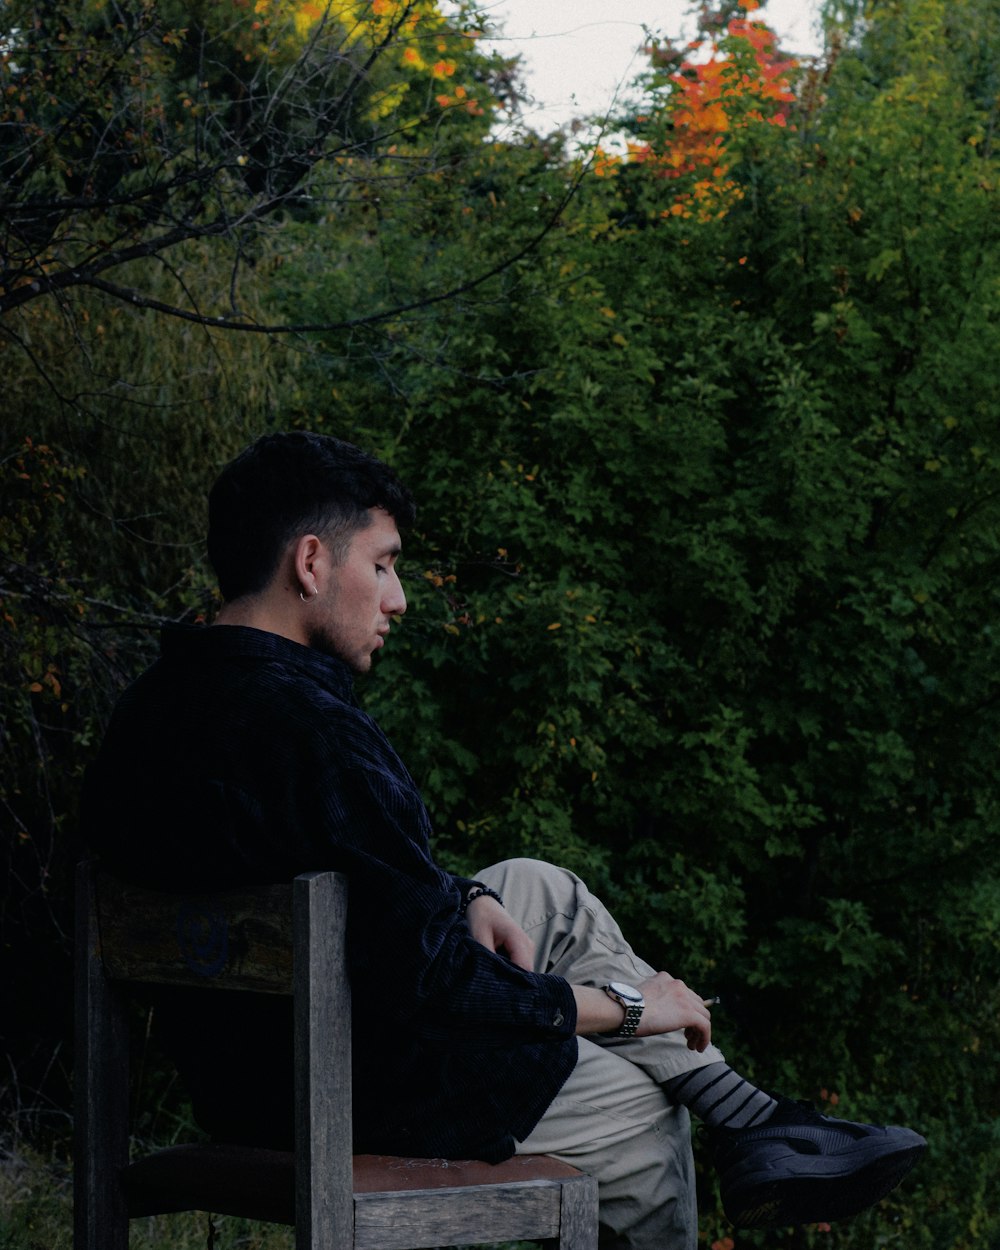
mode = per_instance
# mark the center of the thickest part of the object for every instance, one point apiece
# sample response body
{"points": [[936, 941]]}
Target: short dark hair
{"points": [[289, 484]]}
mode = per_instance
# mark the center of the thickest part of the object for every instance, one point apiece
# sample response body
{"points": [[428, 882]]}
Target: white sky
{"points": [[577, 54]]}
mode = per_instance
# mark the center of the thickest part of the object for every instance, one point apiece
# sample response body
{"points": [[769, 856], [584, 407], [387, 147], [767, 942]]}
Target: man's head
{"points": [[285, 485], [303, 535]]}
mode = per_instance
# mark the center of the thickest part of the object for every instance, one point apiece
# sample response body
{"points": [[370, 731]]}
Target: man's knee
{"points": [[552, 888]]}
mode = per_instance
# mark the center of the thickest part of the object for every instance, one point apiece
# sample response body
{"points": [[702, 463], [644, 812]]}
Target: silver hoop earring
{"points": [[302, 597]]}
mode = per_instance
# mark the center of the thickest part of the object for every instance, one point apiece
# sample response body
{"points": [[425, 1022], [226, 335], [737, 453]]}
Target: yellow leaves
{"points": [[406, 27], [554, 626], [306, 16], [388, 101]]}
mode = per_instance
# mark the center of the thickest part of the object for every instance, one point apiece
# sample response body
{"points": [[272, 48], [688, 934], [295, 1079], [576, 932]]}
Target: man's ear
{"points": [[308, 562]]}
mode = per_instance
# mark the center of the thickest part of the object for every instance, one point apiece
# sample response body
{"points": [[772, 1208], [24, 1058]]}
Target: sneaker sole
{"points": [[833, 1189]]}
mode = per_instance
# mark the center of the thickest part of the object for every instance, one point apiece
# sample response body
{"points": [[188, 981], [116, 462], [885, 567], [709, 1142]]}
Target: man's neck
{"points": [[258, 612]]}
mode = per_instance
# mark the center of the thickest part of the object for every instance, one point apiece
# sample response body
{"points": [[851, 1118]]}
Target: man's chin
{"points": [[321, 641]]}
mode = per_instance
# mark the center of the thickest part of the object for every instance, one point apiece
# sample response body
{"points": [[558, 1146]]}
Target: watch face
{"points": [[626, 991]]}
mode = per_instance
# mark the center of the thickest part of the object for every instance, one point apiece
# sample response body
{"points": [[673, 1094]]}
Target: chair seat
{"points": [[401, 1203], [260, 1184]]}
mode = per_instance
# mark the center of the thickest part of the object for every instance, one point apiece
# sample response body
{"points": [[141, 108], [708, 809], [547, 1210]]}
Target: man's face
{"points": [[352, 616]]}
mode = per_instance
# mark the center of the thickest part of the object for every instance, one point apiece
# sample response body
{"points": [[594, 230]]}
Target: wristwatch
{"points": [[633, 1002]]}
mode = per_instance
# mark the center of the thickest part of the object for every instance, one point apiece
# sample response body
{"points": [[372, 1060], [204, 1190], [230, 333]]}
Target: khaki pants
{"points": [[611, 1118]]}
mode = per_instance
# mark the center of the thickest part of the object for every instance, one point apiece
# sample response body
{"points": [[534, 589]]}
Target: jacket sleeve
{"points": [[411, 954]]}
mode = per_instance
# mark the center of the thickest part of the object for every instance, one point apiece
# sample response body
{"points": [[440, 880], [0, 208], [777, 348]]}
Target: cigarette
{"points": [[711, 1002]]}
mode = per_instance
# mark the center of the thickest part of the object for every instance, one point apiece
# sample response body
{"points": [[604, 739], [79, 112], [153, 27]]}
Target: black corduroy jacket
{"points": [[241, 757]]}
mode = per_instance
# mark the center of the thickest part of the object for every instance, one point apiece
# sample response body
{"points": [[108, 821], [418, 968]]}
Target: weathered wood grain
{"points": [[243, 938]]}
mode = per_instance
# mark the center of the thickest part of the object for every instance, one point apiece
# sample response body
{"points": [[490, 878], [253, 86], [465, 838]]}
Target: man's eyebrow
{"points": [[392, 550]]}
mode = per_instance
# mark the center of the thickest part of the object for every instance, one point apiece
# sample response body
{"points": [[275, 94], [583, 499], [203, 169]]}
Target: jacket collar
{"points": [[215, 643]]}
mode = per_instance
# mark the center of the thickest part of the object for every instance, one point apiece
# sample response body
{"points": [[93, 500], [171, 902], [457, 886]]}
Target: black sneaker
{"points": [[800, 1167]]}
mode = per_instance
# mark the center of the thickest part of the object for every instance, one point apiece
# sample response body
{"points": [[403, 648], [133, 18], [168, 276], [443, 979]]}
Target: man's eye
{"points": [[380, 568]]}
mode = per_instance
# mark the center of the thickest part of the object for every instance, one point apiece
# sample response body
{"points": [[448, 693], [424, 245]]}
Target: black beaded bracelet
{"points": [[478, 891]]}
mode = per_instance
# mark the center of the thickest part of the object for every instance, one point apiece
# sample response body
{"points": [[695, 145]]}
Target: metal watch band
{"points": [[633, 1012]]}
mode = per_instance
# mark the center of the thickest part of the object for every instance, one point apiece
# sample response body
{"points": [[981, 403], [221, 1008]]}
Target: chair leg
{"points": [[100, 1113], [578, 1218]]}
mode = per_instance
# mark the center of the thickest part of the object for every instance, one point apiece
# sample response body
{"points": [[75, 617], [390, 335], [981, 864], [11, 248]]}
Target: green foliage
{"points": [[114, 432], [36, 1213], [704, 591]]}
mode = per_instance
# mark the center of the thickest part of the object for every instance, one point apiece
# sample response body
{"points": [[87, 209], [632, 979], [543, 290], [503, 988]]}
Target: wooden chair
{"points": [[281, 939]]}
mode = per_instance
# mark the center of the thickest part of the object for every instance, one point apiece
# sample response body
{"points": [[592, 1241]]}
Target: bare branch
{"points": [[238, 154], [138, 300]]}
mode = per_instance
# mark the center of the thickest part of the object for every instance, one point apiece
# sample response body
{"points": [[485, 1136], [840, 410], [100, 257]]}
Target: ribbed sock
{"points": [[720, 1097]]}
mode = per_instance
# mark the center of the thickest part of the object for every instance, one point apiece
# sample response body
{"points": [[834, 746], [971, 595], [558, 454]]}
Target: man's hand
{"points": [[490, 925], [671, 1005]]}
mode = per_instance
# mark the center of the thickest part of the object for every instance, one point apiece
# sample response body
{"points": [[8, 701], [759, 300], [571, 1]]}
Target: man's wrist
{"points": [[633, 1002], [479, 891]]}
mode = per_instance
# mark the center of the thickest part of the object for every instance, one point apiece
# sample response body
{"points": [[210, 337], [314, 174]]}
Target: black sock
{"points": [[720, 1097]]}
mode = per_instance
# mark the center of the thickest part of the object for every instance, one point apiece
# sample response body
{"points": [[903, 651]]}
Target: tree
{"points": [[157, 163], [128, 129]]}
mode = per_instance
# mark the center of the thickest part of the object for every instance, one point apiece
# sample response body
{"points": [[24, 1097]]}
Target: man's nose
{"points": [[394, 603]]}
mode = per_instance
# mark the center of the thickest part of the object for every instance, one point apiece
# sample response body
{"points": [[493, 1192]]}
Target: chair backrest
{"points": [[276, 939]]}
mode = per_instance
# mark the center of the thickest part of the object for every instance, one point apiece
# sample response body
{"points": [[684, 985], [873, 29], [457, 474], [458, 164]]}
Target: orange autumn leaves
{"points": [[743, 82]]}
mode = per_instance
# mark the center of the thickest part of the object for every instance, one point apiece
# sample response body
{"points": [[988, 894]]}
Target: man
{"points": [[494, 1015]]}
